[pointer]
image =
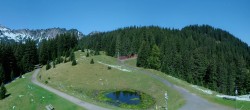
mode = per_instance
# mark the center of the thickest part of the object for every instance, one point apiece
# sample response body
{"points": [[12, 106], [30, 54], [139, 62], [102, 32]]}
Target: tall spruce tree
{"points": [[154, 58], [44, 52], [72, 56], [199, 68], [30, 57], [12, 75], [2, 75], [143, 54], [48, 66]]}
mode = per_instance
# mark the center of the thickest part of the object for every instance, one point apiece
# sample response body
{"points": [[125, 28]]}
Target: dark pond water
{"points": [[127, 97]]}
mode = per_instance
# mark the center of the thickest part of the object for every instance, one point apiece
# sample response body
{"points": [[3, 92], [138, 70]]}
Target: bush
{"points": [[2, 91], [59, 60], [46, 82], [65, 60], [82, 49], [54, 64], [109, 68], [92, 52], [74, 62], [87, 54], [97, 53], [67, 53], [92, 61], [48, 66]]}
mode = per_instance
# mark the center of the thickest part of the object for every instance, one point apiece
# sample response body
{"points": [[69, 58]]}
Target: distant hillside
{"points": [[199, 54], [21, 35]]}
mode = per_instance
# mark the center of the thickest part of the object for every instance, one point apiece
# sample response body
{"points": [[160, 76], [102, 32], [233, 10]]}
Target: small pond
{"points": [[124, 97], [129, 99]]}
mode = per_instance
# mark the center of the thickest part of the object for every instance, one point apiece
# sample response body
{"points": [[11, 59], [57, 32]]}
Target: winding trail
{"points": [[193, 102], [64, 95]]}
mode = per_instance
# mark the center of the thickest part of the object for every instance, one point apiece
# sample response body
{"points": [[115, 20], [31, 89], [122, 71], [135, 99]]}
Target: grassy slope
{"points": [[240, 104], [27, 96], [85, 78]]}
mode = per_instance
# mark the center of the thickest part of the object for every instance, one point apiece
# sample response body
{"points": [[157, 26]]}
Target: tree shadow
{"points": [[7, 95]]}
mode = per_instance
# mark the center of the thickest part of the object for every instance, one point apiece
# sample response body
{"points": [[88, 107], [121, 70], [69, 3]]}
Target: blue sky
{"points": [[105, 15]]}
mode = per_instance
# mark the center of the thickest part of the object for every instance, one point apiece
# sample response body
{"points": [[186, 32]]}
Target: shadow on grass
{"points": [[7, 95]]}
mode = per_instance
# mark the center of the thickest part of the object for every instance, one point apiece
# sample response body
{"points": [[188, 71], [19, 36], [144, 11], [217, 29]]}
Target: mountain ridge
{"points": [[21, 35]]}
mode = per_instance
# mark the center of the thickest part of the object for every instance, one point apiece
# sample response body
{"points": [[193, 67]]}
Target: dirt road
{"points": [[70, 98]]}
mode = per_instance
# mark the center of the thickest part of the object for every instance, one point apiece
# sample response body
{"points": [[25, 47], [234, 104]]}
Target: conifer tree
{"points": [[97, 52], [2, 76], [87, 55], [73, 59], [65, 60], [2, 91], [142, 59], [48, 66], [74, 62], [154, 58], [72, 56], [82, 49], [92, 61], [118, 45], [12, 75], [30, 57], [54, 64], [44, 52]]}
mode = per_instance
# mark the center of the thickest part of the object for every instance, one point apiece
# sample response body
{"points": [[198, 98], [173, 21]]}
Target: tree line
{"points": [[53, 49], [19, 58], [199, 54]]}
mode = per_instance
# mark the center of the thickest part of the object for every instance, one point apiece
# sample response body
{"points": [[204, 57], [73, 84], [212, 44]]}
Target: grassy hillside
{"points": [[244, 105], [24, 95], [85, 79]]}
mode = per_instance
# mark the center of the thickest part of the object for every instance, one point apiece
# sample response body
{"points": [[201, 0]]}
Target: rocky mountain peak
{"points": [[20, 35]]}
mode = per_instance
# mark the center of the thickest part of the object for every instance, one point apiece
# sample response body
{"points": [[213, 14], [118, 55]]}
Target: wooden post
{"points": [[166, 97], [236, 92]]}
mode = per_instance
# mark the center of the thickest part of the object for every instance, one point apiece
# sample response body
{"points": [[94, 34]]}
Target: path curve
{"points": [[193, 102], [70, 98]]}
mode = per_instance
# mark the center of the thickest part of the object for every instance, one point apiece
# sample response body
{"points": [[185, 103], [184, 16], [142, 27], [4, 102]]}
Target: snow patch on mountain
{"points": [[3, 28], [37, 35], [16, 36]]}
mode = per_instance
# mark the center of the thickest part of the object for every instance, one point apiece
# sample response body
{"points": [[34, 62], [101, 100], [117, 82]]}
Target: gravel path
{"points": [[193, 102], [70, 98]]}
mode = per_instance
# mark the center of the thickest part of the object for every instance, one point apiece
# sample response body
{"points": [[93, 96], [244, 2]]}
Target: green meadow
{"points": [[86, 80], [24, 95]]}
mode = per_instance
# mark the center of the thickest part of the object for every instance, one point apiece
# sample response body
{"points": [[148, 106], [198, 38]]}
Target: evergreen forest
{"points": [[17, 59], [199, 54]]}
